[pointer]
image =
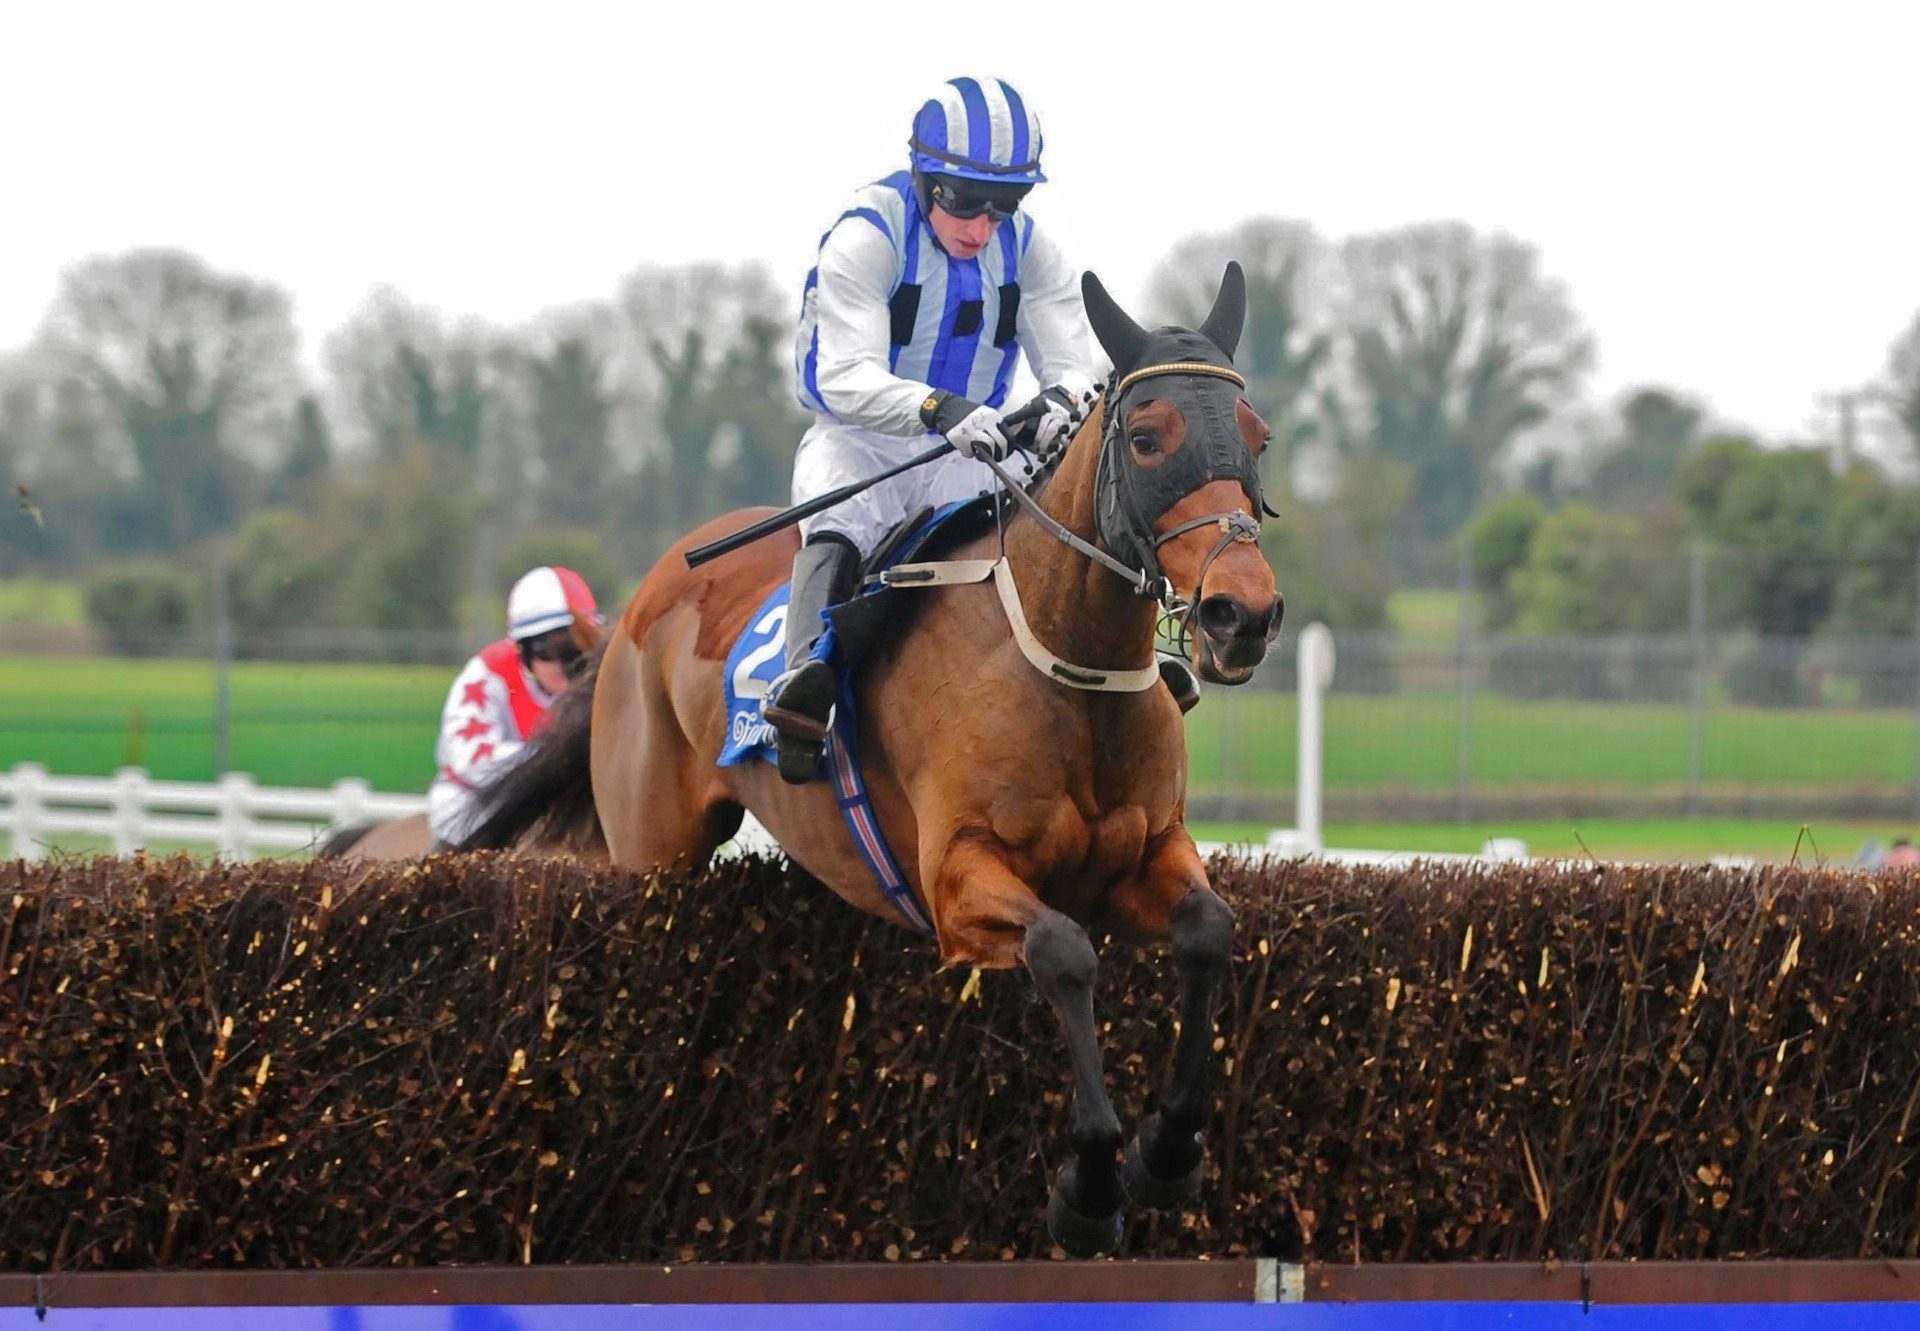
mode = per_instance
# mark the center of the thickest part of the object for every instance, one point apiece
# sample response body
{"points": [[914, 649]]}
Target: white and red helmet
{"points": [[548, 598]]}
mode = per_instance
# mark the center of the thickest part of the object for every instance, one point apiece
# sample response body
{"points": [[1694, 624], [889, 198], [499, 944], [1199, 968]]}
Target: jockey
{"points": [[500, 698], [925, 289]]}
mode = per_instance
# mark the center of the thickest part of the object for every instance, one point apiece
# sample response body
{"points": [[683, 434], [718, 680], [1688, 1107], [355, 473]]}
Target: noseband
{"points": [[1148, 581], [1121, 513]]}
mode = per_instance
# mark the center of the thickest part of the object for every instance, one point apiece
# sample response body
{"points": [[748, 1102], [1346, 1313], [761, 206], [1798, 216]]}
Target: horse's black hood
{"points": [[1193, 371]]}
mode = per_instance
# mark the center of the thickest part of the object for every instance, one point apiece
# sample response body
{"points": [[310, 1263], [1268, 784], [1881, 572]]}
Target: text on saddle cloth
{"points": [[758, 658]]}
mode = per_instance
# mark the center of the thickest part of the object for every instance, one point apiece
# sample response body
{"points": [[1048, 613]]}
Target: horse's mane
{"points": [[546, 797]]}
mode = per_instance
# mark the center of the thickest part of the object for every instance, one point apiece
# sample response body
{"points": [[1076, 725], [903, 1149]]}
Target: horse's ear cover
{"points": [[1229, 313], [1130, 500], [1120, 337]]}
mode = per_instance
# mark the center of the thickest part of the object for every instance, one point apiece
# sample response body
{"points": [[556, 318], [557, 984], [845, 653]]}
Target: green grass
{"points": [[311, 724], [1678, 840], [41, 601], [293, 725], [1425, 615], [1670, 839], [1247, 739]]}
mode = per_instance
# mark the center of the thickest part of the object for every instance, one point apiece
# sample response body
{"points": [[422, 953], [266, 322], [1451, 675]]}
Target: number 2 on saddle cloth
{"points": [[758, 657]]}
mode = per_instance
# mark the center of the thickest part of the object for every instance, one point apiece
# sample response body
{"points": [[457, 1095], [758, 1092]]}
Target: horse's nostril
{"points": [[1222, 616]]}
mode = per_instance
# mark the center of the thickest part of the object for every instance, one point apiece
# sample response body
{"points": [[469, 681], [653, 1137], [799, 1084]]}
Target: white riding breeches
{"points": [[832, 455]]}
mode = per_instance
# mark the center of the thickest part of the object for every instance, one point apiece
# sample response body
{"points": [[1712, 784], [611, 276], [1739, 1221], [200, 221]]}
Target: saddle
{"points": [[880, 611]]}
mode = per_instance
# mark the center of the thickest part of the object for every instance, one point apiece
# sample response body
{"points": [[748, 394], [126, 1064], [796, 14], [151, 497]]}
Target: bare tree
{"points": [[193, 369], [406, 375], [662, 306], [1903, 382], [704, 354], [1458, 346], [1292, 281], [569, 405], [431, 397]]}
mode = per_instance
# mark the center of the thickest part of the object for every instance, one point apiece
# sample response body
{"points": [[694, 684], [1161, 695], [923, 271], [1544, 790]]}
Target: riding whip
{"points": [[780, 521]]}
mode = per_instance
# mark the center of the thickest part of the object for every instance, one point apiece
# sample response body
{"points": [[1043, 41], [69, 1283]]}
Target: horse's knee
{"points": [[1060, 956], [1202, 931]]}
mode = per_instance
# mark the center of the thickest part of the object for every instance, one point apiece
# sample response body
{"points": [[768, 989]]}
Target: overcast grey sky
{"points": [[1728, 189]]}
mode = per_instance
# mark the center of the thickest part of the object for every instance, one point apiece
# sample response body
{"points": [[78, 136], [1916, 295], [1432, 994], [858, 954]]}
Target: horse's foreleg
{"points": [[1166, 1158], [982, 907], [1084, 1210]]}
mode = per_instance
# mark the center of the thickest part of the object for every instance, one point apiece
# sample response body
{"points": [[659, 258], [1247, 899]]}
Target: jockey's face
{"points": [[963, 238], [550, 659], [551, 676]]}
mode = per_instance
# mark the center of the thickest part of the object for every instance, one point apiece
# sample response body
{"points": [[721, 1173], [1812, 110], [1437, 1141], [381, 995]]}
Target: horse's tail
{"points": [[546, 797], [341, 840]]}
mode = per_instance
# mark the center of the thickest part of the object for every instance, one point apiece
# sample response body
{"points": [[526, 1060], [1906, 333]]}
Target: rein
{"points": [[1235, 526]]}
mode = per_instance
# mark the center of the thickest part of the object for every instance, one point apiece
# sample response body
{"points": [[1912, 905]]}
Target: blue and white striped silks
{"points": [[954, 322], [981, 129]]}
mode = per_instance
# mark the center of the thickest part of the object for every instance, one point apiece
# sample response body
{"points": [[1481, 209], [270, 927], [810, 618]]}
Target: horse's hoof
{"points": [[1081, 1235], [1147, 1189]]}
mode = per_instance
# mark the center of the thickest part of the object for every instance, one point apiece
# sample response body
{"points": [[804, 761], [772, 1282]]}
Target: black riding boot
{"points": [[1181, 682], [799, 704]]}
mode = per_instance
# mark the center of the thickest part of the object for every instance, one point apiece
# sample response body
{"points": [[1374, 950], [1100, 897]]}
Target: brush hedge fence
{"points": [[493, 1059]]}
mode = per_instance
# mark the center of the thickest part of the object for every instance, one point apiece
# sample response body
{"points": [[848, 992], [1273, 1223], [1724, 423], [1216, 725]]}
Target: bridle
{"points": [[1237, 526], [1210, 461]]}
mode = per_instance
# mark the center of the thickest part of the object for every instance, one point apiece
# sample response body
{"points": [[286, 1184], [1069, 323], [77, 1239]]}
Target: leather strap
{"points": [[959, 572]]}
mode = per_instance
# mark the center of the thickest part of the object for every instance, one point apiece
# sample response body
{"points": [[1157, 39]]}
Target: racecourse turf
{"points": [[292, 725], [1679, 840], [1822, 841], [310, 724]]}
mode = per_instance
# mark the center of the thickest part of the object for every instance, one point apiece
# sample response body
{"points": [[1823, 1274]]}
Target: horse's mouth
{"points": [[1215, 673], [1232, 661]]}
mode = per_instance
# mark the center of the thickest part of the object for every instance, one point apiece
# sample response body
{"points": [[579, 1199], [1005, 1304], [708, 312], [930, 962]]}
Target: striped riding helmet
{"points": [[548, 598], [977, 129]]}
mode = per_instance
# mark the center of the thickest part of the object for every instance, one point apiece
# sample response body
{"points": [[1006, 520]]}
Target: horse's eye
{"points": [[1144, 441]]}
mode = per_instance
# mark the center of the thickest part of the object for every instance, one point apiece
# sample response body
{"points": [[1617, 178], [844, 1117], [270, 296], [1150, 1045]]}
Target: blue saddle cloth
{"points": [[759, 656]]}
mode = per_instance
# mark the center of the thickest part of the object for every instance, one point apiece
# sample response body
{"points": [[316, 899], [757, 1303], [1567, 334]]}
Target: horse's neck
{"points": [[1080, 610]]}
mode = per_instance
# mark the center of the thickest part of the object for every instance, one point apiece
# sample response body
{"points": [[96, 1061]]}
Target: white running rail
{"points": [[233, 815]]}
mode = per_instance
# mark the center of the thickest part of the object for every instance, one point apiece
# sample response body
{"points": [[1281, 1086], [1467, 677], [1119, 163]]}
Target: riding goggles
{"points": [[968, 200], [558, 646]]}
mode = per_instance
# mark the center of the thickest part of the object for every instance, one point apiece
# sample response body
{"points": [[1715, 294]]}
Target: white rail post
{"points": [[235, 834], [129, 788], [350, 801], [1315, 669], [27, 810]]}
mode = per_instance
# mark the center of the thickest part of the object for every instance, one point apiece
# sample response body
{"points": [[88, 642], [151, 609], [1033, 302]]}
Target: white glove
{"points": [[973, 430], [980, 434], [1061, 409]]}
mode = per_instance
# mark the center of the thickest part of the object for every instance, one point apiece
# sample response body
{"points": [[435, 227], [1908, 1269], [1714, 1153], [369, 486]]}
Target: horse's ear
{"points": [[586, 634], [1229, 313], [1120, 337]]}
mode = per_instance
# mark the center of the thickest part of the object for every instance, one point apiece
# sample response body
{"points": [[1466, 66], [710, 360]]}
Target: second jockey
{"points": [[500, 698], [927, 287]]}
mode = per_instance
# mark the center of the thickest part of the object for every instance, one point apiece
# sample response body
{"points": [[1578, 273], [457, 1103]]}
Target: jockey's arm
{"points": [[477, 734], [855, 329], [1052, 325]]}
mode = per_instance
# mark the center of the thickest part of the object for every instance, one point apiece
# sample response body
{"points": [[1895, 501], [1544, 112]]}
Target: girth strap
{"points": [[958, 572]]}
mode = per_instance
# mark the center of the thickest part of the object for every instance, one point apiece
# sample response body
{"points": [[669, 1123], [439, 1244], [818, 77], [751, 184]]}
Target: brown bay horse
{"points": [[1022, 810]]}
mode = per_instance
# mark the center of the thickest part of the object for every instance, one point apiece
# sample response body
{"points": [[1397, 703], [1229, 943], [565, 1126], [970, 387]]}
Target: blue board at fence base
{"points": [[994, 1316]]}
